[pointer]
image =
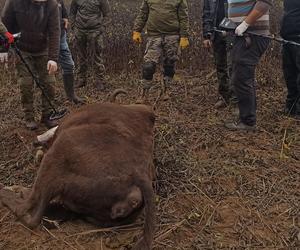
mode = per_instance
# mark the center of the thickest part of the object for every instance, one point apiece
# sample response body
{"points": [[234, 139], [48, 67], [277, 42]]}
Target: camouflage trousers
{"points": [[160, 48], [90, 48], [38, 64], [223, 61]]}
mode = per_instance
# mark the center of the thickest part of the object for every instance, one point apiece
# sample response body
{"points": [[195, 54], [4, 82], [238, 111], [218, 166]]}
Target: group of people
{"points": [[43, 25], [236, 57]]}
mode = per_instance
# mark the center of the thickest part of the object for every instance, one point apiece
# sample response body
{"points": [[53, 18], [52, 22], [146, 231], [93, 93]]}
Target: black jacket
{"points": [[210, 16], [290, 27]]}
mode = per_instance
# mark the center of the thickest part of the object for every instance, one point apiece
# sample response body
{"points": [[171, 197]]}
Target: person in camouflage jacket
{"points": [[167, 25], [89, 20]]}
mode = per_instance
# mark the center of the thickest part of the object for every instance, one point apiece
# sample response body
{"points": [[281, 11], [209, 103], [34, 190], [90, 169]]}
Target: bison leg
{"points": [[31, 210]]}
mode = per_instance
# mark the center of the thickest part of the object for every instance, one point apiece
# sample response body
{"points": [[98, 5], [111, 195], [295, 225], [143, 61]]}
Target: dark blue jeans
{"points": [[65, 57]]}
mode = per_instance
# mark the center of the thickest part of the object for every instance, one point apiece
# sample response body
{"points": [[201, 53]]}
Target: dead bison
{"points": [[99, 165]]}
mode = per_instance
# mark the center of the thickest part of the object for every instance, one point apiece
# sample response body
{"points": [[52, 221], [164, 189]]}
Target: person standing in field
{"points": [[167, 25], [213, 14], [290, 30], [89, 20], [252, 15], [65, 57], [38, 22]]}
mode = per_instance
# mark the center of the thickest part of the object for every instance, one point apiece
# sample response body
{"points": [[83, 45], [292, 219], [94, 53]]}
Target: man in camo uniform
{"points": [[167, 25], [89, 20]]}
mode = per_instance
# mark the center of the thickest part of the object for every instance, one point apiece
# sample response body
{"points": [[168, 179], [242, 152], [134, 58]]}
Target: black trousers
{"points": [[291, 71], [222, 55], [246, 53]]}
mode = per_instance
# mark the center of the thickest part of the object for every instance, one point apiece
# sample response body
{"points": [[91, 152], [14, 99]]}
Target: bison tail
{"points": [[145, 243], [117, 92]]}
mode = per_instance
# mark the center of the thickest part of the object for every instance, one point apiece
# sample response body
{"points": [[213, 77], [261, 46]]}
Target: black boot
{"points": [[48, 123], [165, 93], [68, 80]]}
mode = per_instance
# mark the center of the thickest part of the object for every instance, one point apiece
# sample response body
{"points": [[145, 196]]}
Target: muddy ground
{"points": [[216, 189]]}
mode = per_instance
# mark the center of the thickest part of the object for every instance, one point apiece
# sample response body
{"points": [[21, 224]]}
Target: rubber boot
{"points": [[144, 92], [68, 80], [47, 122], [165, 96], [30, 123]]}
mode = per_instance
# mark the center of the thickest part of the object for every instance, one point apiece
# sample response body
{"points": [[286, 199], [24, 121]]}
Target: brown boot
{"points": [[165, 95], [144, 92], [48, 122], [30, 123]]}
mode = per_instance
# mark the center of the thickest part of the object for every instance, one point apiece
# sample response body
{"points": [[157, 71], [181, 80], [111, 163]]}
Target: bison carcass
{"points": [[100, 165]]}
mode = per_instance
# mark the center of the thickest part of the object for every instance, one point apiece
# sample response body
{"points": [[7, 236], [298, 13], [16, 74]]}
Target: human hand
{"points": [[137, 37], [66, 23], [184, 42], [207, 43], [51, 67], [240, 30]]}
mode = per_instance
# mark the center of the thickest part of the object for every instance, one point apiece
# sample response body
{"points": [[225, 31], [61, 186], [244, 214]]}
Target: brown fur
{"points": [[99, 161]]}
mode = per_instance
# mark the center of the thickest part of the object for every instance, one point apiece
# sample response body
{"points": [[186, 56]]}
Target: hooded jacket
{"points": [[168, 17], [38, 23]]}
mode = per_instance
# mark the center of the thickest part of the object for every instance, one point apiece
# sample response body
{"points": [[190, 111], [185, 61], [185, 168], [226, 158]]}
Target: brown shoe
{"points": [[31, 125], [235, 126]]}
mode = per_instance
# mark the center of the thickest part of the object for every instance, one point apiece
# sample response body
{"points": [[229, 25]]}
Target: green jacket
{"points": [[2, 28], [89, 15], [168, 17]]}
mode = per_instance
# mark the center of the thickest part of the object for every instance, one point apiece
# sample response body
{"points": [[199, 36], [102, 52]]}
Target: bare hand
{"points": [[66, 23], [207, 44], [51, 67]]}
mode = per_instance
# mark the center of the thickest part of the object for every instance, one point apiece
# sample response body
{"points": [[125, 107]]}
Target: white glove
{"points": [[51, 67], [3, 57], [240, 30]]}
